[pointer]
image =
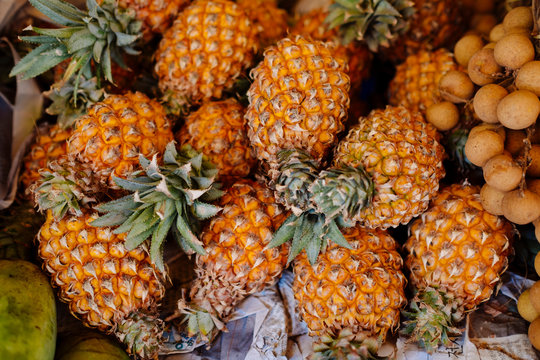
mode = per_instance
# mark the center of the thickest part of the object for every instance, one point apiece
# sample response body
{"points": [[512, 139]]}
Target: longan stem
{"points": [[525, 160]]}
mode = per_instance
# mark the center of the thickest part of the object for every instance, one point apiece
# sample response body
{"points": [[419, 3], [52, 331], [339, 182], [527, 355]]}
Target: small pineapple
{"points": [[218, 130], [116, 131], [351, 297], [457, 252], [50, 144], [237, 262], [416, 83], [268, 18], [208, 47]]}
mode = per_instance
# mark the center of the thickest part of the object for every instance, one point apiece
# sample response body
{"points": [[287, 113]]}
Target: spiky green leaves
{"points": [[173, 197], [64, 187], [92, 39], [71, 100], [297, 171], [431, 317], [346, 345], [342, 192], [376, 22], [142, 334]]}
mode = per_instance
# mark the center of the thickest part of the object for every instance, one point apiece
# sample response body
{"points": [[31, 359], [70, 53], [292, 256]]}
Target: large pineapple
{"points": [[208, 47], [218, 130], [416, 83], [351, 294], [116, 131], [456, 254], [237, 262], [50, 144], [270, 21]]}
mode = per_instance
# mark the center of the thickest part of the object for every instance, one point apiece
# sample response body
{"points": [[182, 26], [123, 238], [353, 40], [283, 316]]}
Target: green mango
{"points": [[27, 312], [89, 346]]}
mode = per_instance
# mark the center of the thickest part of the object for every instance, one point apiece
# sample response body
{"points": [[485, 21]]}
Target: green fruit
{"points": [[27, 312], [89, 346]]}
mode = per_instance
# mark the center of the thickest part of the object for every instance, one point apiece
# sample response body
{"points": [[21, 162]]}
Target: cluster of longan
{"points": [[502, 84], [529, 307]]}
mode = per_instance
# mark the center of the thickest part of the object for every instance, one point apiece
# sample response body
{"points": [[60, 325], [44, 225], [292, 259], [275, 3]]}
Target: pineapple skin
{"points": [[208, 47], [416, 83], [298, 99], [217, 129], [237, 262], [458, 248], [402, 154], [116, 131], [359, 289]]}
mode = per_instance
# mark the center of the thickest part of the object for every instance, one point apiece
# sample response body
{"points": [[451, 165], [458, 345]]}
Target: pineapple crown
{"points": [[175, 193], [376, 22], [199, 321], [71, 100], [64, 186], [431, 317], [141, 333], [346, 345], [91, 38], [18, 227]]}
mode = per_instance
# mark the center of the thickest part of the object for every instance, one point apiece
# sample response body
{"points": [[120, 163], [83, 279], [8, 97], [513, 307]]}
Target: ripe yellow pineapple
{"points": [[351, 293], [107, 286], [237, 262], [270, 21], [218, 130], [208, 47], [50, 144], [312, 25], [416, 83], [116, 131], [456, 254]]}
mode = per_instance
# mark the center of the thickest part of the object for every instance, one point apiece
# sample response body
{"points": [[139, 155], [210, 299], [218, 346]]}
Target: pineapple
{"points": [[107, 286], [353, 294], [208, 47], [270, 21], [416, 83], [50, 144], [312, 25], [115, 131], [237, 262], [218, 130], [457, 252]]}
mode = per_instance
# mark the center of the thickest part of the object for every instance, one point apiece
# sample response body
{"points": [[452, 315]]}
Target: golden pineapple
{"points": [[107, 286], [312, 25], [218, 130], [416, 83], [50, 144], [237, 262], [456, 254], [116, 131], [359, 290], [270, 21], [208, 47]]}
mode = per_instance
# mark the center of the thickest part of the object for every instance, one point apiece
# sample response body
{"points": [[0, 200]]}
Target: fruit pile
{"points": [[257, 139]]}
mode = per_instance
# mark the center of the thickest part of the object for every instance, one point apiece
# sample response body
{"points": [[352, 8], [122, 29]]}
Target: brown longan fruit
{"points": [[537, 263], [486, 100], [502, 172], [482, 146], [482, 67], [534, 333], [525, 307], [514, 141], [536, 224], [528, 77], [534, 168], [498, 128], [496, 33], [483, 23], [518, 110], [513, 51], [533, 185], [535, 295], [521, 206], [456, 86], [466, 47], [443, 115], [491, 199], [519, 17], [484, 6]]}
